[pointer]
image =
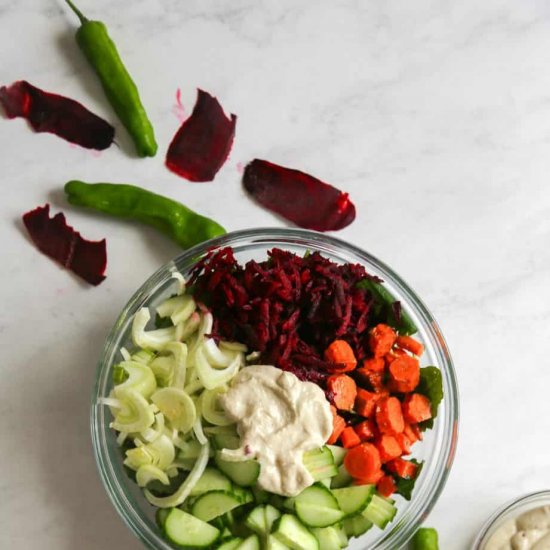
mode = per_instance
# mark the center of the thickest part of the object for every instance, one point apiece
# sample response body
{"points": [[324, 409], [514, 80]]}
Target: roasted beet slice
{"points": [[298, 197], [59, 241], [57, 115], [203, 142]]}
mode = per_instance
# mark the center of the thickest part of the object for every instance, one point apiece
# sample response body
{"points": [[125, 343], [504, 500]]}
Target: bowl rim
{"points": [[512, 505], [448, 444]]}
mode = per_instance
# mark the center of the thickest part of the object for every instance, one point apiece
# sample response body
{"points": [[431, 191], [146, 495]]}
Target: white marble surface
{"points": [[434, 115]]}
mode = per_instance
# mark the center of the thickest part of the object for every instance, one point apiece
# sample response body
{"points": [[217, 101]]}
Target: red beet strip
{"points": [[59, 241], [298, 197], [55, 114], [203, 142]]}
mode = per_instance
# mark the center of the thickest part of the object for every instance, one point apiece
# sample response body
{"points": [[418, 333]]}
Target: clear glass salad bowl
{"points": [[437, 448]]}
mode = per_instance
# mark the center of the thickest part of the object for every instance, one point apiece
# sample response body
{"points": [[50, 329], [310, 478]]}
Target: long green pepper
{"points": [[174, 219], [93, 39]]}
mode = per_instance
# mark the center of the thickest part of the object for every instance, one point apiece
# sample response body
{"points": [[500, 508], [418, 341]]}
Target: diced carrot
{"points": [[417, 431], [338, 425], [404, 443], [411, 433], [381, 340], [388, 447], [369, 480], [344, 391], [386, 486], [362, 461], [340, 352], [349, 438], [366, 430], [410, 344], [365, 402], [389, 416], [374, 364], [404, 374], [416, 408], [403, 468]]}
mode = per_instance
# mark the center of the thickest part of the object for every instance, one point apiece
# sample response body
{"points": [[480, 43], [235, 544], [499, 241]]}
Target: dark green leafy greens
{"points": [[431, 385], [385, 309]]}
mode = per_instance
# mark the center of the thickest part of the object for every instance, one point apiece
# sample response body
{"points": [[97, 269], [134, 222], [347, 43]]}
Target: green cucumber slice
{"points": [[160, 517], [211, 480], [328, 538], [250, 543], [318, 495], [353, 500], [338, 454], [256, 520], [356, 526], [230, 543], [320, 463], [271, 516], [291, 532], [380, 511], [244, 473], [213, 504], [317, 516], [273, 544], [341, 479], [188, 531]]}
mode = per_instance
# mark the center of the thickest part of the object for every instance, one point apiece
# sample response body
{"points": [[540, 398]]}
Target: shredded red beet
{"points": [[298, 197], [288, 308], [59, 241], [203, 142], [57, 115]]}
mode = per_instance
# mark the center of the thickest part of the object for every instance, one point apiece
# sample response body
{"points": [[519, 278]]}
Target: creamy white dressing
{"points": [[529, 531], [278, 418]]}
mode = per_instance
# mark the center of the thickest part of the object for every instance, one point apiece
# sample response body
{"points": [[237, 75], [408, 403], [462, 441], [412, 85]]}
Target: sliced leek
{"points": [[177, 407]]}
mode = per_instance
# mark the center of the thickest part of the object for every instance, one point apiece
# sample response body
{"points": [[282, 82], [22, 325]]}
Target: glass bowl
{"points": [[437, 448], [509, 511]]}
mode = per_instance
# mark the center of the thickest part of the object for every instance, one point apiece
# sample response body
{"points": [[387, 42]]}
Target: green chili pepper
{"points": [[383, 301], [94, 41], [425, 539], [174, 219]]}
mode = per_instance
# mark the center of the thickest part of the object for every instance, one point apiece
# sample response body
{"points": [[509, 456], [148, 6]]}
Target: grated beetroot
{"points": [[289, 308]]}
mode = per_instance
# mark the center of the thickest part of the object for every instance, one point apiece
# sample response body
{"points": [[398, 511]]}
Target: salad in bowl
{"points": [[274, 389]]}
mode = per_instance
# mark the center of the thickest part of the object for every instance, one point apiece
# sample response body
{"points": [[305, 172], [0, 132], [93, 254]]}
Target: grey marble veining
{"points": [[433, 115]]}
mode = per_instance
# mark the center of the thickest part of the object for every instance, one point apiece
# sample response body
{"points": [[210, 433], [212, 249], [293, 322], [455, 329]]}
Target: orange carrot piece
{"points": [[365, 402], [349, 438], [338, 425], [340, 352], [388, 447], [362, 461], [381, 340], [365, 430], [404, 374], [389, 416], [374, 364], [402, 468], [410, 433], [410, 344], [372, 479], [386, 486], [404, 443], [416, 408], [344, 391]]}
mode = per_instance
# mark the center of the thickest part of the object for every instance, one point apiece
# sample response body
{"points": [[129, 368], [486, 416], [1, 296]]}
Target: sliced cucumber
{"points": [[341, 535], [231, 543], [211, 480], [244, 473], [250, 543], [271, 516], [289, 504], [187, 531], [356, 526], [244, 495], [338, 453], [320, 463], [273, 544], [256, 520], [353, 500], [341, 479], [260, 496], [326, 482], [380, 511], [213, 504], [291, 532], [328, 538], [160, 517], [227, 441], [318, 495], [317, 516]]}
